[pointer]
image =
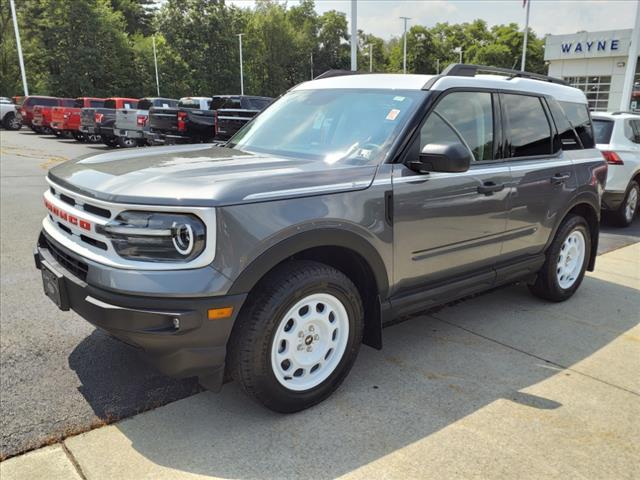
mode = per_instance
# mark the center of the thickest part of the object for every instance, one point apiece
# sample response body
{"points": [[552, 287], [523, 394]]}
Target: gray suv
{"points": [[351, 201]]}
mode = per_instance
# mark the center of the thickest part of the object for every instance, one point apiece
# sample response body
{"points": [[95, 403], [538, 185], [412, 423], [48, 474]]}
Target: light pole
{"points": [[404, 54], [458, 50], [354, 35], [241, 73], [311, 65], [526, 37], [370, 57], [19, 45], [155, 61]]}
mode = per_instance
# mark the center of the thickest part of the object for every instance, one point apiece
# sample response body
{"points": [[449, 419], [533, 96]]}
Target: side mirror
{"points": [[443, 157]]}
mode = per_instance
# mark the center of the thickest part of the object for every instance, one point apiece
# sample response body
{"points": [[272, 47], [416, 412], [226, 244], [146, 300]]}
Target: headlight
{"points": [[156, 237]]}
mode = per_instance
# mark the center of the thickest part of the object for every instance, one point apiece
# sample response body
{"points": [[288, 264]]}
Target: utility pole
{"points": [[404, 54], [458, 50], [632, 61], [311, 65], [155, 61], [241, 73], [437, 66], [370, 57], [526, 36], [19, 45], [354, 35]]}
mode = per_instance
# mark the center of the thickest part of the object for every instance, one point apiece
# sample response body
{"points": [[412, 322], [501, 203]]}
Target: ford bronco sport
{"points": [[349, 202]]}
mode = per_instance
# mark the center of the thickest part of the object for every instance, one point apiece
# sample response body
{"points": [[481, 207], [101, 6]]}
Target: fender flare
{"points": [[297, 243], [590, 199]]}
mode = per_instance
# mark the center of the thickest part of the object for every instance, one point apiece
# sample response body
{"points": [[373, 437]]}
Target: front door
{"points": [[450, 225]]}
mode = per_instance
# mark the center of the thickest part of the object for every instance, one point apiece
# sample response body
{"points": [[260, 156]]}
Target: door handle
{"points": [[560, 178], [488, 188]]}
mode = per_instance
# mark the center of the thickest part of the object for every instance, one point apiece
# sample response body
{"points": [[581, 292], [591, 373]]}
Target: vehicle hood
{"points": [[204, 175]]}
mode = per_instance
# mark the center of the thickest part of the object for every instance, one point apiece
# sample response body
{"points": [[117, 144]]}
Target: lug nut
{"points": [[309, 349], [300, 334], [311, 328], [316, 337], [300, 347]]}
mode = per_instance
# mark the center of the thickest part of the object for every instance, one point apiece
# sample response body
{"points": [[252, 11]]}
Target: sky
{"points": [[380, 17]]}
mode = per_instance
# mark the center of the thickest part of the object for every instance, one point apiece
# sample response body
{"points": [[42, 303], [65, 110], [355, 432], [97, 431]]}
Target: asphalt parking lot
{"points": [[59, 376]]}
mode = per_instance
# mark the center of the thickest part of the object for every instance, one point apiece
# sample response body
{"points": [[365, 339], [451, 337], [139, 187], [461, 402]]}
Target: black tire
{"points": [[547, 285], [78, 136], [622, 217], [125, 142], [92, 138], [110, 142], [249, 355], [11, 122]]}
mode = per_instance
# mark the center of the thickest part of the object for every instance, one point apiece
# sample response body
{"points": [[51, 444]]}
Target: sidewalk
{"points": [[503, 385]]}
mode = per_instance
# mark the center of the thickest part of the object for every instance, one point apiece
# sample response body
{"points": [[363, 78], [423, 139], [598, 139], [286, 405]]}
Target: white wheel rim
{"points": [[570, 259], [309, 342], [632, 204]]}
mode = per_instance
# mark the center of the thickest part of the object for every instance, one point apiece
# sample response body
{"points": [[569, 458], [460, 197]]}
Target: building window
{"points": [[596, 88]]}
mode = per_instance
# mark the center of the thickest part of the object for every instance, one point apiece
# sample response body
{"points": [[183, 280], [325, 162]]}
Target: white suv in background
{"points": [[617, 135]]}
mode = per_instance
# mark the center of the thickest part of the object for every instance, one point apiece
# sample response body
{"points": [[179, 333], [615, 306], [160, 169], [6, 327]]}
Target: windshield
{"points": [[602, 130], [332, 125]]}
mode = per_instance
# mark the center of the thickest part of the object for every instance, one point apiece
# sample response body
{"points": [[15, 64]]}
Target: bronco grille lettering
{"points": [[66, 216]]}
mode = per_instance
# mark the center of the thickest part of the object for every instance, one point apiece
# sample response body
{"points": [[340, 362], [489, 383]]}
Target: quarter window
{"points": [[465, 117], [578, 115], [528, 129]]}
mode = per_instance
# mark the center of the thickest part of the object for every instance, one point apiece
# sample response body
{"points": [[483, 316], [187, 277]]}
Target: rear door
{"points": [[543, 178], [448, 226]]}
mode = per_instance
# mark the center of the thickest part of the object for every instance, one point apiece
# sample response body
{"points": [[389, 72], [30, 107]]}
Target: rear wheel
{"points": [[93, 138], [566, 262], [78, 136], [297, 337], [125, 142], [623, 217]]}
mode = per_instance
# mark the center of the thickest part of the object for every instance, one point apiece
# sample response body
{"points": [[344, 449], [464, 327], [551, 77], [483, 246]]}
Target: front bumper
{"points": [[173, 333]]}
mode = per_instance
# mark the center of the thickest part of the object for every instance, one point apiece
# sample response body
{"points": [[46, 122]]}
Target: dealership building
{"points": [[595, 62]]}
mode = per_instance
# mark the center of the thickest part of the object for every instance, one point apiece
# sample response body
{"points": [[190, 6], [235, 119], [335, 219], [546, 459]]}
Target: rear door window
{"points": [[527, 128], [45, 102], [110, 104], [578, 115], [602, 130], [96, 103], [68, 102], [78, 103], [189, 103]]}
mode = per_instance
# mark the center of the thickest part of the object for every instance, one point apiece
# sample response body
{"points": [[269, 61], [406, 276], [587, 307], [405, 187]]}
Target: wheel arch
{"points": [[583, 205], [346, 251]]}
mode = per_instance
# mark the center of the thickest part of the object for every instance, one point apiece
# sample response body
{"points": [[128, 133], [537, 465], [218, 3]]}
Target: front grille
{"points": [[87, 207], [75, 266], [101, 212]]}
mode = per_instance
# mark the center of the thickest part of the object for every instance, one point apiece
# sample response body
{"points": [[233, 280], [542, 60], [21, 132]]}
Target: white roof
{"points": [[416, 82]]}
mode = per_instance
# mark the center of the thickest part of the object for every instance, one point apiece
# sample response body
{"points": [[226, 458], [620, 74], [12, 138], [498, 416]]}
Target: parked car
{"points": [[29, 103], [42, 115], [349, 202], [191, 121], [65, 121], [9, 114], [131, 124], [232, 112], [618, 137], [96, 124]]}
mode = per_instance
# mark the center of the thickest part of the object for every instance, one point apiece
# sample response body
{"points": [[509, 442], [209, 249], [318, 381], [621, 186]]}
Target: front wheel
{"points": [[297, 337], [566, 262], [125, 142]]}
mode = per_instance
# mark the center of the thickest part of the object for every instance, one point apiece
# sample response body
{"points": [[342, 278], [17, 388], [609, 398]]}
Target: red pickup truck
{"points": [[26, 109], [41, 121], [65, 121]]}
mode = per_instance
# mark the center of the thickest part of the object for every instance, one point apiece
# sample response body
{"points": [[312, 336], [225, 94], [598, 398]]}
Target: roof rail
{"points": [[465, 70], [622, 112], [336, 73]]}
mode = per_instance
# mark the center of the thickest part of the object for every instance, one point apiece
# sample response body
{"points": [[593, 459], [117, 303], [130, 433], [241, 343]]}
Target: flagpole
{"points": [[526, 37], [19, 45]]}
